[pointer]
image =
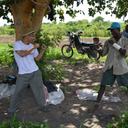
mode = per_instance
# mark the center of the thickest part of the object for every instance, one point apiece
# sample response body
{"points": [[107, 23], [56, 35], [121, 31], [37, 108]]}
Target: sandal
{"points": [[95, 107], [9, 115], [45, 109]]}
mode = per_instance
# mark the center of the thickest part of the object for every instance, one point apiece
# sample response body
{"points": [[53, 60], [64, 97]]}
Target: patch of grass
{"points": [[64, 89], [5, 56], [79, 58], [96, 88], [15, 123], [54, 53], [5, 35], [125, 89], [127, 59], [121, 123]]}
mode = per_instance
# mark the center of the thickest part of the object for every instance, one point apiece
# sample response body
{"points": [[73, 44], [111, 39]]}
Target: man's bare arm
{"points": [[25, 53], [41, 53]]}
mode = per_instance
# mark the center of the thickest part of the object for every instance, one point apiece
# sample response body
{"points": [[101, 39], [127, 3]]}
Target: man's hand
{"points": [[43, 47], [36, 46], [111, 42], [118, 47]]}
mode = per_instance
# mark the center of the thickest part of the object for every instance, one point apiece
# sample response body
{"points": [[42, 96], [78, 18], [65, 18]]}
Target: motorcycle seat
{"points": [[87, 43]]}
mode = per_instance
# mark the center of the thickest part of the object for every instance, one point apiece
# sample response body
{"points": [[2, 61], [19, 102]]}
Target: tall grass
{"points": [[53, 54], [5, 56]]}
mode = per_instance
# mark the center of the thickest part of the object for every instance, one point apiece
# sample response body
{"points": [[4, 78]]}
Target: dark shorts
{"points": [[108, 78]]}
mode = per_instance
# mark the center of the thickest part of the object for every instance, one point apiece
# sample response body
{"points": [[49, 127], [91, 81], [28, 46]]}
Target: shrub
{"points": [[6, 54], [49, 71], [15, 123], [11, 31], [122, 123]]}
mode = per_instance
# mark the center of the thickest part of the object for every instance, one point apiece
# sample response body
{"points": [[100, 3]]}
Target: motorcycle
{"points": [[82, 47]]}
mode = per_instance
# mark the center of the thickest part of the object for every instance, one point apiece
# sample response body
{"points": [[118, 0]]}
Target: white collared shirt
{"points": [[114, 58]]}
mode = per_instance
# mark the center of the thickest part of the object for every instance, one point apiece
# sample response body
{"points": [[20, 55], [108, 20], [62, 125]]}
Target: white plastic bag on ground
{"points": [[56, 97], [6, 90], [87, 94]]}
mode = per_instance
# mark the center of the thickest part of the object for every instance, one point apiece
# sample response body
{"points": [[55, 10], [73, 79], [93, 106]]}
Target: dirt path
{"points": [[72, 111]]}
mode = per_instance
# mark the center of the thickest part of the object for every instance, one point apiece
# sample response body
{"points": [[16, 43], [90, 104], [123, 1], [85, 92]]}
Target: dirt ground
{"points": [[71, 112]]}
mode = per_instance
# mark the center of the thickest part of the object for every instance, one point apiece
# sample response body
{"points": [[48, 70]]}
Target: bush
{"points": [[6, 54], [122, 123], [100, 33], [49, 71], [11, 31], [14, 123]]}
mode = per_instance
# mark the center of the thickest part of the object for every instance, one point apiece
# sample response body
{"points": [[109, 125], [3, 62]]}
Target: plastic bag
{"points": [[87, 94], [6, 90]]}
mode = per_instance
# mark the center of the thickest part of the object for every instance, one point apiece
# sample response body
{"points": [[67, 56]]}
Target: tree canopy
{"points": [[117, 7], [120, 9], [68, 4], [30, 13], [27, 13], [99, 18]]}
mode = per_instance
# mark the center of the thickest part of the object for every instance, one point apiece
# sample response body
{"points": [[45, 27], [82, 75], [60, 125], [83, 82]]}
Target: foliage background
{"points": [[97, 27]]}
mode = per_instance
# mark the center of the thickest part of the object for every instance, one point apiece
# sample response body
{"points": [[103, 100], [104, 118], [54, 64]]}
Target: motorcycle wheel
{"points": [[93, 55], [67, 51]]}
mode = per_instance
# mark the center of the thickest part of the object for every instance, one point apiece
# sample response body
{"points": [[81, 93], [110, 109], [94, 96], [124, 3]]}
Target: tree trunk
{"points": [[23, 18]]}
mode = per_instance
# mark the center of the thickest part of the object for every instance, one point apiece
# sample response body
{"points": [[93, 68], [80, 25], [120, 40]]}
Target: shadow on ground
{"points": [[72, 112]]}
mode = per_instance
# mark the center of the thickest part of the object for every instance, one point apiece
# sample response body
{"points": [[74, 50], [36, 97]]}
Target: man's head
{"points": [[27, 31], [114, 25], [115, 29], [28, 35]]}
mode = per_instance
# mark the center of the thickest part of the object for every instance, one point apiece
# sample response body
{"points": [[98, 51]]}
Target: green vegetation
{"points": [[50, 71], [7, 30], [122, 123], [5, 56], [96, 88], [95, 28], [15, 123], [90, 29]]}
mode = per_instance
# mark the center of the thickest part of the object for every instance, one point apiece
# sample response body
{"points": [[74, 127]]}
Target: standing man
{"points": [[116, 49], [28, 72], [125, 32]]}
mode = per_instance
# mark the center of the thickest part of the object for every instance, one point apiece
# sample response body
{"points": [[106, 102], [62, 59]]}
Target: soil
{"points": [[72, 112]]}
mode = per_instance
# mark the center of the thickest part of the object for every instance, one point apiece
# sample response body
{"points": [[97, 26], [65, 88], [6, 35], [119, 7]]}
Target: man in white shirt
{"points": [[28, 72], [116, 68]]}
